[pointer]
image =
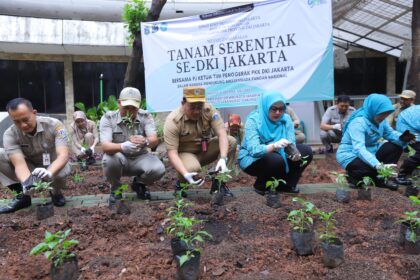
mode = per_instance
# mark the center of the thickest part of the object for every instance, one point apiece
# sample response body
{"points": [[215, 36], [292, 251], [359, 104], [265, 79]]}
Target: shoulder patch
{"points": [[215, 117]]}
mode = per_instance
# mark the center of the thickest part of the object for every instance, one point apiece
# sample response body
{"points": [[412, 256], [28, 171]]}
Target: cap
{"points": [[130, 96], [235, 119], [408, 94], [195, 94]]}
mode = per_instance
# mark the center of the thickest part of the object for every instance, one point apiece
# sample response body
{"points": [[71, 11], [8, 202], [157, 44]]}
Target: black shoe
{"points": [[180, 190], [141, 190], [403, 180], [58, 199], [19, 202], [387, 184], [223, 188], [90, 161], [113, 198], [330, 150], [260, 192]]}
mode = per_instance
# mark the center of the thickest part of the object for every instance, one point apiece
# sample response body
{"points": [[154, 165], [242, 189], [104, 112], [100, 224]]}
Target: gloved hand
{"points": [[129, 147], [221, 165], [42, 173], [281, 144], [92, 148], [29, 183], [296, 157], [189, 177], [336, 126], [382, 165], [83, 150]]}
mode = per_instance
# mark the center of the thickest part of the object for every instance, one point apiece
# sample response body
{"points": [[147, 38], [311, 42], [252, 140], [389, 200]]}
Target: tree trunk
{"points": [[136, 59], [414, 73]]}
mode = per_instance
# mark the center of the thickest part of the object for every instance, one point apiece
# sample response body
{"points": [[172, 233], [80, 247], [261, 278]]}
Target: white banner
{"points": [[239, 53]]}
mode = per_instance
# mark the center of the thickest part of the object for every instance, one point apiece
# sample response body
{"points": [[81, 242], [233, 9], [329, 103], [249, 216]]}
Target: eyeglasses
{"points": [[274, 109], [196, 106]]}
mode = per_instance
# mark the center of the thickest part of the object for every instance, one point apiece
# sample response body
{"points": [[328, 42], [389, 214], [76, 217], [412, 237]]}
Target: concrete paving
{"points": [[102, 199]]}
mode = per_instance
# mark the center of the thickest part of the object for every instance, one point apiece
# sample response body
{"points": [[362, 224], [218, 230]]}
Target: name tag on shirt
{"points": [[46, 160]]}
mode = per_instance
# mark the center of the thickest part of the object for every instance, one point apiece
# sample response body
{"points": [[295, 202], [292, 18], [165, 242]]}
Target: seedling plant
{"points": [[272, 185], [77, 178], [120, 191], [328, 235], [340, 179], [412, 219], [55, 247], [222, 178], [42, 188], [185, 229], [300, 219], [366, 182], [386, 172]]}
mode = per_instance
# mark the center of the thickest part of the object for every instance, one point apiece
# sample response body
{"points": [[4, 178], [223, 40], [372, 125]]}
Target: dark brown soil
{"points": [[251, 241]]}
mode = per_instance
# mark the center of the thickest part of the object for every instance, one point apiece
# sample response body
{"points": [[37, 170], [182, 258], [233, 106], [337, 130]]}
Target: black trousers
{"points": [[357, 169], [411, 163], [273, 165]]}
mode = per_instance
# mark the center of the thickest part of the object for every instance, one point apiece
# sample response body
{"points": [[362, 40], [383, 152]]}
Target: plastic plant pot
{"points": [[342, 195], [179, 247], [291, 150], [273, 200], [68, 270], [333, 253], [364, 194], [217, 198], [44, 210], [410, 247], [411, 191], [190, 270], [303, 242], [122, 208]]}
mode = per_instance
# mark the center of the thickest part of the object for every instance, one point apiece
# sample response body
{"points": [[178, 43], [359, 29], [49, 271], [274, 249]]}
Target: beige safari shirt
{"points": [[113, 129], [50, 133], [184, 135], [392, 118], [77, 135]]}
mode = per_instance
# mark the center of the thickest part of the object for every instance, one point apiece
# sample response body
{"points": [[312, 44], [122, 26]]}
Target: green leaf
{"points": [[41, 247], [183, 259], [80, 106], [48, 255]]}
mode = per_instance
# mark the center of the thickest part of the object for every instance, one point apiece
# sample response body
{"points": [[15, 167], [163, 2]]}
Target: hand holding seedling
{"points": [[129, 147], [189, 176], [281, 144], [139, 140], [221, 166], [42, 173]]}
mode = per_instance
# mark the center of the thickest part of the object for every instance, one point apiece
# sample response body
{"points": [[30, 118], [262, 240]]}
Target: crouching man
{"points": [[33, 145], [195, 136], [125, 136]]}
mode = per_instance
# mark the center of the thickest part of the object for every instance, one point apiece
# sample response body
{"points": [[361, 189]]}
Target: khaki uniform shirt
{"points": [[392, 118], [185, 135], [332, 115], [78, 137], [50, 133], [113, 129]]}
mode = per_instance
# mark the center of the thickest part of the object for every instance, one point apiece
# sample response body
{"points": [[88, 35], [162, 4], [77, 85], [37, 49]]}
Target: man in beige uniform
{"points": [[126, 135], [299, 135], [406, 100], [195, 136], [84, 136], [33, 145]]}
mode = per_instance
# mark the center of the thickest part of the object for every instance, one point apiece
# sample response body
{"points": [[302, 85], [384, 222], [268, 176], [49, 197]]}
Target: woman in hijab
{"points": [[268, 131], [362, 150], [84, 135]]}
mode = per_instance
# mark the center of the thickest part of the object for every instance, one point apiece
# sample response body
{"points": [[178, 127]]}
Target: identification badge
{"points": [[46, 161]]}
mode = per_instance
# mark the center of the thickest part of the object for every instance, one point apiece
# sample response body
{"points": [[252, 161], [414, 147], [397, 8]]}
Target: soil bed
{"points": [[251, 240]]}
